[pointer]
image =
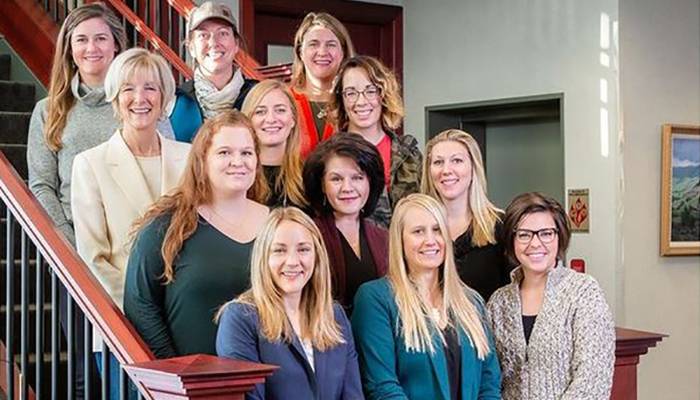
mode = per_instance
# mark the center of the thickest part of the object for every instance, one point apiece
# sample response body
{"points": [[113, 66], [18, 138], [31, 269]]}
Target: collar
{"points": [[92, 97], [554, 275]]}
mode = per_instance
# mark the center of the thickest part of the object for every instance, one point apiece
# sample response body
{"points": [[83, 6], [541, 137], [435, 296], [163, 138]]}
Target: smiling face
{"points": [[231, 160], [363, 113], [345, 185], [451, 170], [321, 53], [423, 241], [536, 257], [214, 46], [93, 49], [273, 119], [139, 100], [292, 258]]}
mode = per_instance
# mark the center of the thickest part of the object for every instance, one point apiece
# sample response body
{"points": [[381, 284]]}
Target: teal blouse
{"points": [[178, 318], [389, 371]]}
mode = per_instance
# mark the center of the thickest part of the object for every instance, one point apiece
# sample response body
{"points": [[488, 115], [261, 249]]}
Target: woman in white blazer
{"points": [[115, 182]]}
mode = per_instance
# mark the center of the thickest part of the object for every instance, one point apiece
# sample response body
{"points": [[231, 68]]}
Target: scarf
{"points": [[212, 100]]}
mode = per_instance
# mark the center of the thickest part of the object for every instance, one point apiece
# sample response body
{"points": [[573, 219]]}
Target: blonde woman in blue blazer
{"points": [[420, 331], [288, 317]]}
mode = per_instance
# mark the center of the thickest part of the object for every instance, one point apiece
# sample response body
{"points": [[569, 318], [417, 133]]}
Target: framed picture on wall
{"points": [[680, 190]]}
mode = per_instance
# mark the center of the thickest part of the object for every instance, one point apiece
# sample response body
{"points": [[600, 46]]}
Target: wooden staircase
{"points": [[31, 30]]}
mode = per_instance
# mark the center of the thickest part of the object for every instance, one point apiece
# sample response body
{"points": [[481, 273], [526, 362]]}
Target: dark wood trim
{"points": [[32, 34], [630, 344], [389, 16], [200, 376]]}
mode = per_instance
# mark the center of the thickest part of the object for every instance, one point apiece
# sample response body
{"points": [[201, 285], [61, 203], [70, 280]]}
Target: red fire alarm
{"points": [[578, 265]]}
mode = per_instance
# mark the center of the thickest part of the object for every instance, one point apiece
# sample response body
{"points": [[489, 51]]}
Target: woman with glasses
{"points": [[213, 41], [554, 331], [367, 100], [453, 173]]}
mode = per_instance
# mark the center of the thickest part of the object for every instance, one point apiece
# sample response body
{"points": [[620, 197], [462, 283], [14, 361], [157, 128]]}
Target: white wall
{"points": [[461, 51], [660, 83]]}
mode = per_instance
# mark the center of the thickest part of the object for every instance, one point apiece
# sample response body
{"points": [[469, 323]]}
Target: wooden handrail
{"points": [[152, 38], [81, 284]]}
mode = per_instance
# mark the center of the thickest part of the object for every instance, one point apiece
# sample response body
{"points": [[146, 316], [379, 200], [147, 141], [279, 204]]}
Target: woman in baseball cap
{"points": [[213, 41]]}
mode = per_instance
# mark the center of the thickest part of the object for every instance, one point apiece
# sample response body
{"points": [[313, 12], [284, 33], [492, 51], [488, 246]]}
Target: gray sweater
{"points": [[571, 352], [90, 122]]}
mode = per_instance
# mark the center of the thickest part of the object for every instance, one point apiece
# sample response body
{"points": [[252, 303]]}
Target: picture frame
{"points": [[680, 190]]}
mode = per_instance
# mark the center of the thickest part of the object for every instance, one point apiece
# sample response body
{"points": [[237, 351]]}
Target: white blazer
{"points": [[109, 192]]}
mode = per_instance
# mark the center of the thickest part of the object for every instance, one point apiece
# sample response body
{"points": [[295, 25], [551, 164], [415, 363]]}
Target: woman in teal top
{"points": [[420, 332], [193, 246]]}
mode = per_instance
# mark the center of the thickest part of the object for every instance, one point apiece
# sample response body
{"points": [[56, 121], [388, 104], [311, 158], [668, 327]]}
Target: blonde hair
{"points": [[312, 20], [317, 318], [289, 180], [194, 189], [485, 215], [380, 76], [60, 99], [458, 300], [139, 61]]}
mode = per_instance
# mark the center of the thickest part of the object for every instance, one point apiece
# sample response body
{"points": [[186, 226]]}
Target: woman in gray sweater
{"points": [[554, 332], [75, 116]]}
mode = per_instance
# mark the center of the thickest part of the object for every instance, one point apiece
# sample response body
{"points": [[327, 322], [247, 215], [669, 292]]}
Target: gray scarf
{"points": [[212, 100]]}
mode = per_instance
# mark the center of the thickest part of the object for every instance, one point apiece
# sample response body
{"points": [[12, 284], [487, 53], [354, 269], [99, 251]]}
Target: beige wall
{"points": [[660, 83], [466, 51]]}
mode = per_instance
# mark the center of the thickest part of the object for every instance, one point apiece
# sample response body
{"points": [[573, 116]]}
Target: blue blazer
{"points": [[390, 371], [335, 374]]}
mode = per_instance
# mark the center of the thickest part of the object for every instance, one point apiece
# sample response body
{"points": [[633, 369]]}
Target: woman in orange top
{"points": [[321, 44]]}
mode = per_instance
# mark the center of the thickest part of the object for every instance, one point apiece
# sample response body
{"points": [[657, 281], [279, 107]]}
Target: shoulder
{"points": [[584, 289], [371, 228], [239, 313], [154, 231], [186, 90], [500, 298], [378, 289], [178, 148], [40, 108]]}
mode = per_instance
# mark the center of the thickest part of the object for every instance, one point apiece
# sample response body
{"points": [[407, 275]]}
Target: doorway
{"points": [[269, 26], [521, 141]]}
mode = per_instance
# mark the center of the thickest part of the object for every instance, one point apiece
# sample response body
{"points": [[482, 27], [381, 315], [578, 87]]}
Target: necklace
{"points": [[221, 218]]}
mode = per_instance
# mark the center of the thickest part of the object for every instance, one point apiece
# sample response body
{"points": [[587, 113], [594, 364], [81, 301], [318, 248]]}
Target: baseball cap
{"points": [[209, 10]]}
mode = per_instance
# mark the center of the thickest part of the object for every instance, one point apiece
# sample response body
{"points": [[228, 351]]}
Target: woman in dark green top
{"points": [[193, 246]]}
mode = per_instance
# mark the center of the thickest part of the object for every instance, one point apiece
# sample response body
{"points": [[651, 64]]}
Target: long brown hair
{"points": [[289, 179], [194, 189], [311, 20], [60, 96]]}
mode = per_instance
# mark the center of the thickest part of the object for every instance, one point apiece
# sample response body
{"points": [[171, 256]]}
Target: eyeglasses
{"points": [[352, 95], [545, 235]]}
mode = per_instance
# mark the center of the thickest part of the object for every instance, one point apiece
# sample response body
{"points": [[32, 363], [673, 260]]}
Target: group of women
{"points": [[267, 235]]}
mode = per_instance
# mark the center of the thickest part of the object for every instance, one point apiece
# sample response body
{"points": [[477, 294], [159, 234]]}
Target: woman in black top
{"points": [[453, 173], [273, 112], [343, 180]]}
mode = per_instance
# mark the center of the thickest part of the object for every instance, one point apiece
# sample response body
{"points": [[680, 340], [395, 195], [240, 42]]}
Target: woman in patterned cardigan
{"points": [[554, 331]]}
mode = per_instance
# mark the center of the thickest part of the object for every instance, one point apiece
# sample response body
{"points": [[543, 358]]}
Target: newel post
{"points": [[199, 376]]}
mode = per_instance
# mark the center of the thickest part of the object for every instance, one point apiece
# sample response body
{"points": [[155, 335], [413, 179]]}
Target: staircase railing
{"points": [[43, 248]]}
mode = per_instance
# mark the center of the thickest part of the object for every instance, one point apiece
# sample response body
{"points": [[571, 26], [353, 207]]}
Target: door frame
{"points": [[390, 18]]}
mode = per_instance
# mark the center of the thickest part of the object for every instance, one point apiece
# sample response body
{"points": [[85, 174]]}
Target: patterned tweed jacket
{"points": [[571, 352]]}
